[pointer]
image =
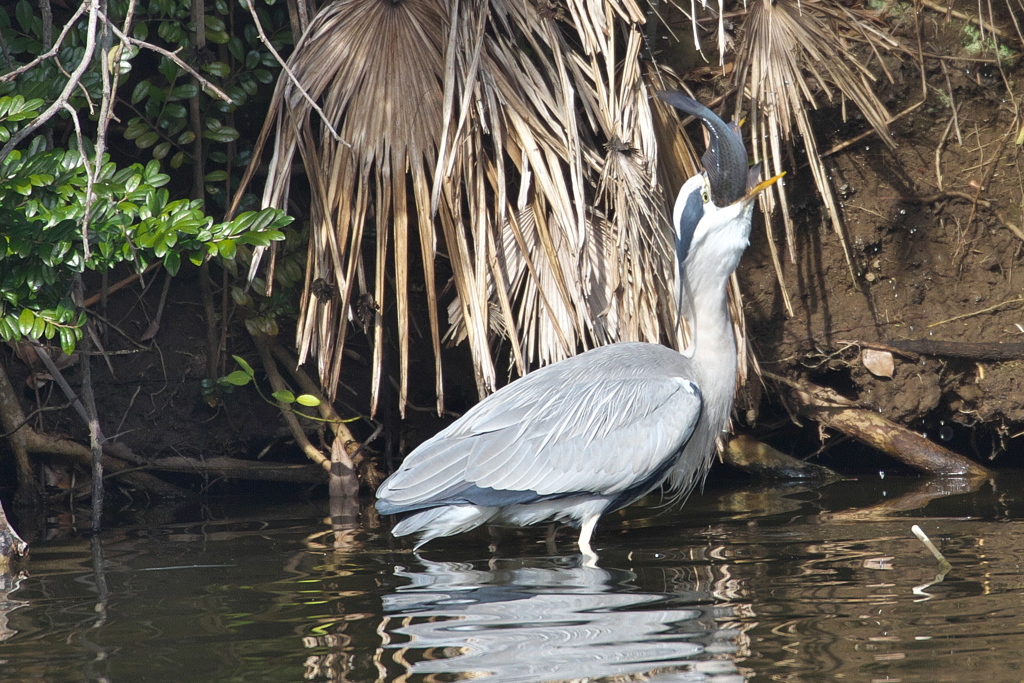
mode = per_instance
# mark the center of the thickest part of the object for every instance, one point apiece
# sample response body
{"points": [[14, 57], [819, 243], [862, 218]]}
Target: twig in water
{"points": [[944, 566], [923, 537]]}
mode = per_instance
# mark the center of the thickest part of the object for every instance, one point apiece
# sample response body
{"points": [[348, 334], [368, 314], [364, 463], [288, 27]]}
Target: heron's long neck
{"points": [[714, 366], [714, 344]]}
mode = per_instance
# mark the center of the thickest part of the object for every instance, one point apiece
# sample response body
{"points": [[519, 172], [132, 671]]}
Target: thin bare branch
{"points": [[173, 56], [69, 87], [54, 49]]}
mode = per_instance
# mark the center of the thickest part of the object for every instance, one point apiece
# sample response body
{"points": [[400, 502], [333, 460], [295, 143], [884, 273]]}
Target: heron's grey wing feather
{"points": [[603, 436], [565, 428]]}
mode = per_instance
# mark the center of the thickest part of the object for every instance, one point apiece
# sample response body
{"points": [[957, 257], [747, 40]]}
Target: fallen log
{"points": [[835, 412], [234, 468], [44, 444]]}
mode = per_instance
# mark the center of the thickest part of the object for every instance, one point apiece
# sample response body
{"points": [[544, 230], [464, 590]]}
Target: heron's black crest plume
{"points": [[725, 159]]}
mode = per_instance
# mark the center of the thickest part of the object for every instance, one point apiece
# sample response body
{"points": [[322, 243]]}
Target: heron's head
{"points": [[714, 208]]}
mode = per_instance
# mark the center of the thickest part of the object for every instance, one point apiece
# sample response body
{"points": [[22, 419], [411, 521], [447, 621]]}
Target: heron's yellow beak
{"points": [[763, 185]]}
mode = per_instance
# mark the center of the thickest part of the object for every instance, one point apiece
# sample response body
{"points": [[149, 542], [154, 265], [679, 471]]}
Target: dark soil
{"points": [[928, 262], [150, 395]]}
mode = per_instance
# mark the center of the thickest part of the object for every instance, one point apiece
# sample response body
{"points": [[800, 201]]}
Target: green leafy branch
{"points": [[43, 201], [245, 376]]}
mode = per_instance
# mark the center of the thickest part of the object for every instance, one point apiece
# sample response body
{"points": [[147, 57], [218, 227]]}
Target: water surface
{"points": [[746, 583]]}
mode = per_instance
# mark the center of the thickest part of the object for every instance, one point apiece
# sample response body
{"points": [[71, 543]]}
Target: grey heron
{"points": [[590, 434]]}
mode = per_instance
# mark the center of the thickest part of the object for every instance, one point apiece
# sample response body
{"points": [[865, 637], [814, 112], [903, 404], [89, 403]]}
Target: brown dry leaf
{"points": [[878, 363]]}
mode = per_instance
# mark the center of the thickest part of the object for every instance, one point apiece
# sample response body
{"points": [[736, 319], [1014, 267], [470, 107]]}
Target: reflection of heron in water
{"points": [[535, 624]]}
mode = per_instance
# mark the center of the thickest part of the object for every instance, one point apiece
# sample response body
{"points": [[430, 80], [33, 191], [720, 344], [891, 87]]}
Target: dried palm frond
{"points": [[587, 231], [787, 45], [385, 105], [517, 139]]}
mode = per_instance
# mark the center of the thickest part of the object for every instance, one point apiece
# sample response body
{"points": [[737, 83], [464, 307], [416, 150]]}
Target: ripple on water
{"points": [[750, 584]]}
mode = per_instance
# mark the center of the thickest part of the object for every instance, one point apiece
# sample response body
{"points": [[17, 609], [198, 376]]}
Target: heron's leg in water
{"points": [[549, 539], [495, 535], [586, 531]]}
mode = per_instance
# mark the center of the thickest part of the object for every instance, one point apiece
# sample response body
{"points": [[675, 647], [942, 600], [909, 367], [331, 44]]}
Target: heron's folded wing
{"points": [[552, 437]]}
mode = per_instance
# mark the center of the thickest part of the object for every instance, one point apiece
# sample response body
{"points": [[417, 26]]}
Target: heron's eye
{"points": [[704, 195]]}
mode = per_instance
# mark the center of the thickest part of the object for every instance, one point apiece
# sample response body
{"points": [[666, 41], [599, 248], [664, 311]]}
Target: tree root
{"points": [[25, 441], [277, 383], [346, 459], [368, 472], [233, 468], [977, 351], [44, 444]]}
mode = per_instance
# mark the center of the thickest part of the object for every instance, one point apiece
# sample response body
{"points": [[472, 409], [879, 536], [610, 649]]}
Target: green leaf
{"points": [[238, 378], [25, 321], [284, 396], [172, 262], [140, 92], [214, 23], [240, 296], [24, 12], [168, 68], [175, 111], [172, 33], [307, 400], [38, 328], [225, 134], [227, 249], [147, 139], [9, 328], [219, 69], [184, 91], [135, 128], [236, 48], [245, 366]]}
